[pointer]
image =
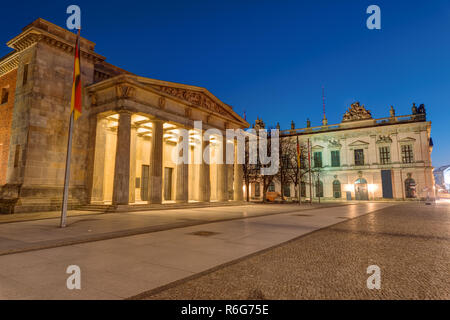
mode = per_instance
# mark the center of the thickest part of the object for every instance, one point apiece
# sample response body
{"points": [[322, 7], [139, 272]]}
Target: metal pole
{"points": [[67, 174], [310, 178]]}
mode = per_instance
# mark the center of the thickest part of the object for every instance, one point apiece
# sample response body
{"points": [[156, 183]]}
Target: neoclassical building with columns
{"points": [[124, 141]]}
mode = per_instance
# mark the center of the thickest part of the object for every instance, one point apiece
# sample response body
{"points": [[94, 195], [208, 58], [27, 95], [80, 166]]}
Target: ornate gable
{"points": [[196, 98], [356, 112]]}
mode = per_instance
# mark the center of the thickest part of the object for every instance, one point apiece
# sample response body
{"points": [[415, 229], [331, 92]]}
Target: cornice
{"points": [[9, 63], [34, 35]]}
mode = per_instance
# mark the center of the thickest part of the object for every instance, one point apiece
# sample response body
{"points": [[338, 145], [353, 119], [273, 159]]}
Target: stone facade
{"points": [[128, 123]]}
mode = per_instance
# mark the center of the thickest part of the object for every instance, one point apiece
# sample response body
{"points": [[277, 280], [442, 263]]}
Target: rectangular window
{"points": [[407, 154], [318, 159], [16, 156], [335, 158], [25, 74], [385, 155], [4, 95], [359, 157]]}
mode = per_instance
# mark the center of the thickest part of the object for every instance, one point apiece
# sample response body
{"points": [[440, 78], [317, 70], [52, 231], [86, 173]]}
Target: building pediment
{"points": [[358, 143]]}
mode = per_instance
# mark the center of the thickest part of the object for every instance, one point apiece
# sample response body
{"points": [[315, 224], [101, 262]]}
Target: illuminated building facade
{"points": [[123, 141]]}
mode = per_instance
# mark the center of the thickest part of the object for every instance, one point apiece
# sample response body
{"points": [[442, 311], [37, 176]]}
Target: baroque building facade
{"points": [[123, 141], [363, 158]]}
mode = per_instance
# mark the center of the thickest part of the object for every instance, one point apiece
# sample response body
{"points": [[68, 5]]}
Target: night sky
{"points": [[271, 58]]}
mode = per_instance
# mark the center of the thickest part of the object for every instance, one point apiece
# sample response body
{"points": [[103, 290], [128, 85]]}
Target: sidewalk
{"points": [[127, 266], [84, 227]]}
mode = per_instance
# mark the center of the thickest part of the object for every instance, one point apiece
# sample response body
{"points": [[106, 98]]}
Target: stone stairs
{"points": [[149, 207]]}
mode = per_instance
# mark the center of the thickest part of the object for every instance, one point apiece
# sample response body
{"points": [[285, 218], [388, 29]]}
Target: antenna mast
{"points": [[324, 120]]}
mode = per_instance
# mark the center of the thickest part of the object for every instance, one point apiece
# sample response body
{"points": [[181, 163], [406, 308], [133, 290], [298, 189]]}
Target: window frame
{"points": [[338, 152], [407, 157], [385, 154], [359, 161]]}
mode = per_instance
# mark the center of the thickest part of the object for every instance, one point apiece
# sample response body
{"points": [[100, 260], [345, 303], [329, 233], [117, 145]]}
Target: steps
{"points": [[149, 207]]}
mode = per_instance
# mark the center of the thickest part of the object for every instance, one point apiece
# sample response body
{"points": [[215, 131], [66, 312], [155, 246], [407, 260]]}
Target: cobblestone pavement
{"points": [[410, 244]]}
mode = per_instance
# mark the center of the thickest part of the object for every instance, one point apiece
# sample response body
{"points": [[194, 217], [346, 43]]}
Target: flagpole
{"points": [[67, 174]]}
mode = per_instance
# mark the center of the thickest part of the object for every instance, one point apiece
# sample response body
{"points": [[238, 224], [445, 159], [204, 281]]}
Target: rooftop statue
{"points": [[356, 112]]}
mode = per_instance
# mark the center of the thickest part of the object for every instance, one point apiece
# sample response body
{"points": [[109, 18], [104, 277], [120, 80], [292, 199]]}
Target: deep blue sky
{"points": [[271, 58]]}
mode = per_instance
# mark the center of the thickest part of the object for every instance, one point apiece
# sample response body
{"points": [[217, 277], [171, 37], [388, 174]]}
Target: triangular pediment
{"points": [[358, 143]]}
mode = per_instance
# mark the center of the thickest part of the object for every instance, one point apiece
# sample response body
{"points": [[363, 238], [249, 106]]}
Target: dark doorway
{"points": [[168, 172], [386, 183], [144, 182], [361, 192]]}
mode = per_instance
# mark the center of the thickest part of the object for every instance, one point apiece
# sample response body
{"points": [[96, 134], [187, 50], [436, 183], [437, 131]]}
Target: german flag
{"points": [[75, 103]]}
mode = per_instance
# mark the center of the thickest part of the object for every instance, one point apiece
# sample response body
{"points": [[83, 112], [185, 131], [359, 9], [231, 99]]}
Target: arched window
{"points": [[319, 189], [410, 188], [336, 189]]}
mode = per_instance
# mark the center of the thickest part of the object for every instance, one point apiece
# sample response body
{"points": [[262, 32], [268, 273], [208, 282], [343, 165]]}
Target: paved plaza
{"points": [[410, 244], [253, 251]]}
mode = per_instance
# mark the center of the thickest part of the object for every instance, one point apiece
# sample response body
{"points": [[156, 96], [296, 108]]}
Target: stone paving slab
{"points": [[410, 244], [123, 267], [39, 234]]}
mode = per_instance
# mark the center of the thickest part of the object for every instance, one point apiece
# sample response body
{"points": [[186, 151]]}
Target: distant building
{"points": [[363, 158], [442, 177]]}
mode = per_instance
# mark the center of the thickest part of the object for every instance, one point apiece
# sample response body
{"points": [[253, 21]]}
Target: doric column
{"points": [[156, 163], [222, 172], [204, 173], [99, 160], [133, 164], [238, 193], [182, 186], [121, 187]]}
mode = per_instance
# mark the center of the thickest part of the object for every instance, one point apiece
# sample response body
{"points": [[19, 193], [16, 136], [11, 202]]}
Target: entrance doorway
{"points": [[361, 192], [144, 182]]}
